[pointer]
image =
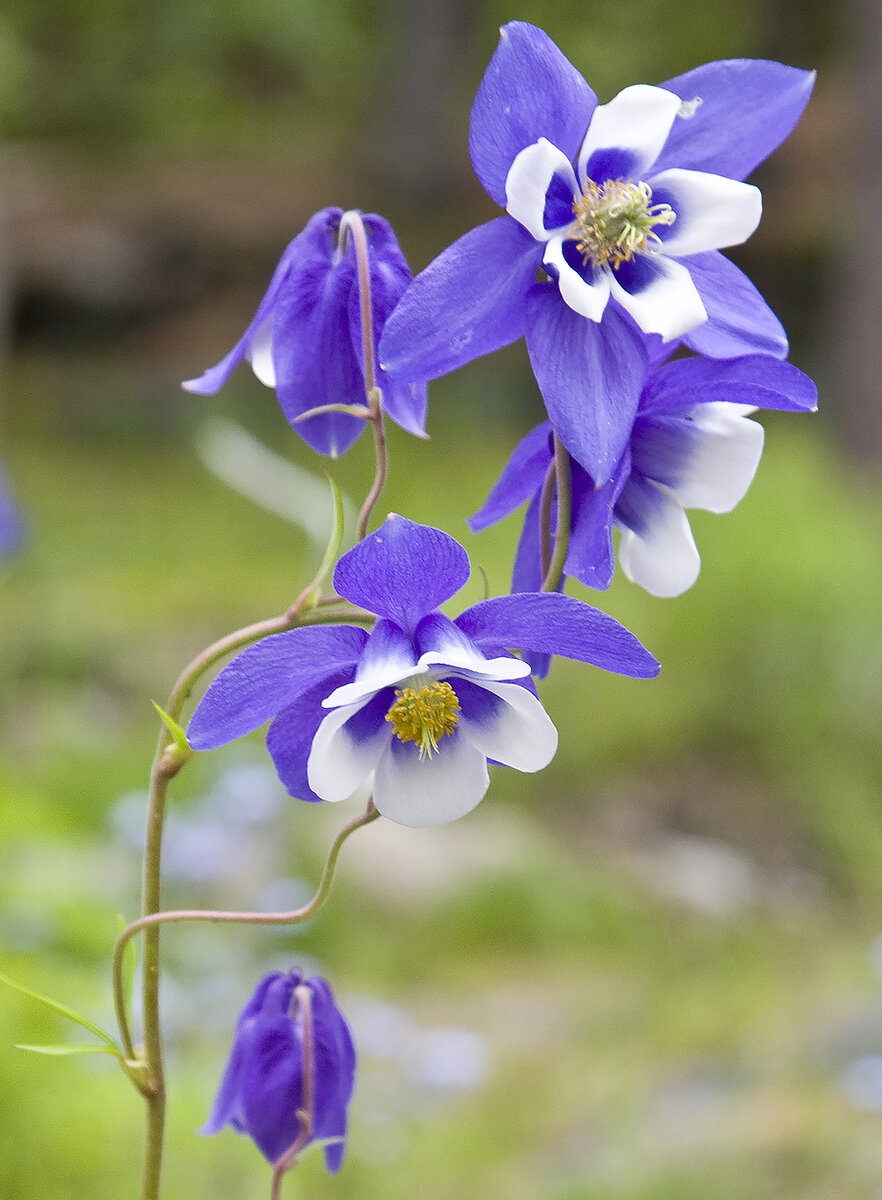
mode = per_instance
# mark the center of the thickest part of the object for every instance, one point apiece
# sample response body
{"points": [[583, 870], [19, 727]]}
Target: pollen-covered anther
{"points": [[424, 715], [614, 222]]}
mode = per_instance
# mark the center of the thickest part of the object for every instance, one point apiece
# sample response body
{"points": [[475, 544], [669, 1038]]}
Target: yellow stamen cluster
{"points": [[614, 221], [425, 715]]}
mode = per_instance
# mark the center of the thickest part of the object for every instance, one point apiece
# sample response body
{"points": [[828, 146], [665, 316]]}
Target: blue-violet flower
{"points": [[306, 338], [263, 1086], [11, 523], [692, 446], [423, 701], [622, 209]]}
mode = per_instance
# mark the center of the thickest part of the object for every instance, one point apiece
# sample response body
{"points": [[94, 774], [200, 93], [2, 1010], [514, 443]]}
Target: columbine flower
{"points": [[263, 1089], [305, 340], [623, 222], [424, 701], [692, 446]]}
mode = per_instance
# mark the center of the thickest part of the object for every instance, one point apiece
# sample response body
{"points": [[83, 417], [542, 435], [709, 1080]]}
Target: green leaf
{"points": [[70, 1013], [65, 1048], [178, 736]]}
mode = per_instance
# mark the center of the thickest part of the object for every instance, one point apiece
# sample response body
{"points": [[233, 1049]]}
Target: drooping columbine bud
{"points": [[291, 1070], [306, 338]]}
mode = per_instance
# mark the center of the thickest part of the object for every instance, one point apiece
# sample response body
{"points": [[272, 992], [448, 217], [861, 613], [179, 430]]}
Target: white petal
{"points": [[637, 121], [518, 732], [712, 211], [260, 353], [587, 299], [668, 305], [526, 186], [338, 761], [434, 790], [725, 458], [381, 670], [663, 560], [475, 665]]}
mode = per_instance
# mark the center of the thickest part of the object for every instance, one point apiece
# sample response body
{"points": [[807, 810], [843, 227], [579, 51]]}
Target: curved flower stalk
{"points": [[291, 1070], [306, 342], [423, 702], [623, 222], [692, 446]]}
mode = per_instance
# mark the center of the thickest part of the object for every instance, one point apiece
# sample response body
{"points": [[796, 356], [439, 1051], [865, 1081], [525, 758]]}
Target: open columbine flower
{"points": [[622, 208], [423, 701], [262, 1090], [305, 340], [692, 446]]}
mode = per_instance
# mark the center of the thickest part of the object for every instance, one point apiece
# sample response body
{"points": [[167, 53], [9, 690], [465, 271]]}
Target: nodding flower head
{"points": [[291, 1070]]}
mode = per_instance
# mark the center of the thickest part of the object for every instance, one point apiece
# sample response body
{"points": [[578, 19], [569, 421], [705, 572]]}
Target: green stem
{"points": [[553, 564], [167, 761], [150, 923], [352, 225]]}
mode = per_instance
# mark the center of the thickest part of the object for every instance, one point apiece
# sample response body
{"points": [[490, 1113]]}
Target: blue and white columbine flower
{"points": [[692, 446], [422, 702], [622, 207], [305, 340], [262, 1089]]}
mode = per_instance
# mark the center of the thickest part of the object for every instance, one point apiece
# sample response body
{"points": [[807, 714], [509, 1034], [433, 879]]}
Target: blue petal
{"points": [[334, 1071], [267, 677], [590, 556], [522, 475], [299, 251], [756, 379], [739, 320], [748, 107], [402, 571], [390, 277], [554, 624], [590, 375], [527, 572], [469, 301], [313, 356], [289, 738], [529, 90]]}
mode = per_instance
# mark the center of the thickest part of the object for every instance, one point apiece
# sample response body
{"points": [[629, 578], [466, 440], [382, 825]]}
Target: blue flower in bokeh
{"points": [[422, 702], [620, 209], [691, 446], [11, 522], [263, 1087], [306, 338]]}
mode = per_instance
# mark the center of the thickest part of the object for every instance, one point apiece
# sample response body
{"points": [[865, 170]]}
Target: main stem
{"points": [[167, 761]]}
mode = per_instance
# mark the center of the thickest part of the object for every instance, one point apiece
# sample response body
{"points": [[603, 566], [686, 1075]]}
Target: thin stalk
{"points": [[167, 761], [352, 225], [306, 1114], [553, 566], [150, 922]]}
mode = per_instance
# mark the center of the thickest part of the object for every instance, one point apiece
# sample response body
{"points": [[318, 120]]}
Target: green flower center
{"points": [[614, 222], [424, 715]]}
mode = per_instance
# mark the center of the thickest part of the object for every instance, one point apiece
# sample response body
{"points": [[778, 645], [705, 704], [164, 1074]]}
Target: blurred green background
{"points": [[649, 972]]}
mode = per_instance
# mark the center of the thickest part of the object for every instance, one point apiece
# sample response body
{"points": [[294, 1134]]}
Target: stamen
{"points": [[424, 716], [614, 222]]}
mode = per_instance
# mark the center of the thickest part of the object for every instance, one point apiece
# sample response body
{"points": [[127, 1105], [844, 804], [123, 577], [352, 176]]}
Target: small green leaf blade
{"points": [[65, 1011]]}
